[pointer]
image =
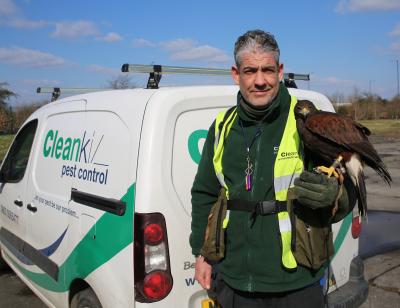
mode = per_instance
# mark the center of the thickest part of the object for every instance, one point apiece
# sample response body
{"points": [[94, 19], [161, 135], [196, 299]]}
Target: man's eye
{"points": [[249, 71], [269, 69]]}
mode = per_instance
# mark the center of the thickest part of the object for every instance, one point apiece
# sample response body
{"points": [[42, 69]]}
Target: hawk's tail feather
{"points": [[371, 157], [381, 169], [361, 193]]}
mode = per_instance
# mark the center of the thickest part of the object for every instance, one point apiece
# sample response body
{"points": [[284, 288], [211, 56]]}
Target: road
{"points": [[380, 234], [14, 293]]}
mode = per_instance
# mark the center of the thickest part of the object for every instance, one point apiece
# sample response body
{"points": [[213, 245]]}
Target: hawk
{"points": [[341, 143]]}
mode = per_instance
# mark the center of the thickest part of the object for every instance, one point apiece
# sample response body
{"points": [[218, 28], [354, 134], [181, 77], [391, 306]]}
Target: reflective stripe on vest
{"points": [[288, 165], [219, 151], [219, 146]]}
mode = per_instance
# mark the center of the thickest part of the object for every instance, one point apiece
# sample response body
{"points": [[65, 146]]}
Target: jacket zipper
{"points": [[250, 281], [256, 160]]}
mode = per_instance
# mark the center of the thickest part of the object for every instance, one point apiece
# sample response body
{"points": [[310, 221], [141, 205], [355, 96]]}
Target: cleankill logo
{"points": [[78, 154]]}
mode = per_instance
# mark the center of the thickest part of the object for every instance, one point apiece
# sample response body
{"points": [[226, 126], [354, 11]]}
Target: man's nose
{"points": [[259, 80]]}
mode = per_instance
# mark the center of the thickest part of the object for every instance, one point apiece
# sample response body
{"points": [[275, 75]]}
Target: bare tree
{"points": [[21, 113], [354, 101], [6, 112], [121, 82], [337, 100], [5, 94]]}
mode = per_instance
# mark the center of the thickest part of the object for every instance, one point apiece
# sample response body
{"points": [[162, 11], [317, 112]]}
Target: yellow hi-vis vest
{"points": [[288, 166]]}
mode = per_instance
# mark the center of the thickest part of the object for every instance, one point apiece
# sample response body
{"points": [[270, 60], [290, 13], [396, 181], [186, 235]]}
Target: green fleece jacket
{"points": [[253, 253]]}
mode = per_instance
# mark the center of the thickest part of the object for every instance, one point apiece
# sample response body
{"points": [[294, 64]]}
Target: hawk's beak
{"points": [[304, 111]]}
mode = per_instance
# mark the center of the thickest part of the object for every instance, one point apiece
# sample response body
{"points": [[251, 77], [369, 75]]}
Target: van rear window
{"points": [[15, 164]]}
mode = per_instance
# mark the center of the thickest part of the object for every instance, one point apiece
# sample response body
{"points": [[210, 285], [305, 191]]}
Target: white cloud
{"points": [[22, 23], [40, 82], [75, 29], [30, 58], [396, 31], [189, 50], [178, 45], [140, 42], [201, 53], [367, 5], [336, 80], [110, 37], [395, 47], [14, 18], [7, 7], [330, 80], [103, 69]]}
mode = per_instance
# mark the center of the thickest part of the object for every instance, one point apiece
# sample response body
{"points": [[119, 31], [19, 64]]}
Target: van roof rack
{"points": [[156, 72], [56, 91]]}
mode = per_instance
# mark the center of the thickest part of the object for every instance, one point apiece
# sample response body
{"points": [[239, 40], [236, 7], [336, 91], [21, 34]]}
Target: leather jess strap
{"points": [[259, 208]]}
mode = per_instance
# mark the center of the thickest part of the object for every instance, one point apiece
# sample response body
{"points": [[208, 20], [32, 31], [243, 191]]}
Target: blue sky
{"points": [[344, 44]]}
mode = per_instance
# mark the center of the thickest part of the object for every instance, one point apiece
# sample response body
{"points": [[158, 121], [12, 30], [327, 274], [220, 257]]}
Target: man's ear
{"points": [[280, 71], [235, 74]]}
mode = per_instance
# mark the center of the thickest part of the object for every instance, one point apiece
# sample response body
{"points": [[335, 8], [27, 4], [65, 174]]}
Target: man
{"points": [[258, 268]]}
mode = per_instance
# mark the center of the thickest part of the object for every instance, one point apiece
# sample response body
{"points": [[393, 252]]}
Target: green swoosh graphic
{"points": [[344, 228], [193, 144], [113, 233]]}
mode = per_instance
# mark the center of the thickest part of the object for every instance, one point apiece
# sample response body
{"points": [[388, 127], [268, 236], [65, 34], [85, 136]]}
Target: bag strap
{"points": [[226, 116]]}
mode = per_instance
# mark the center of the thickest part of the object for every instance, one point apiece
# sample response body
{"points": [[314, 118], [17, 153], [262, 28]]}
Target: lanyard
{"points": [[249, 170]]}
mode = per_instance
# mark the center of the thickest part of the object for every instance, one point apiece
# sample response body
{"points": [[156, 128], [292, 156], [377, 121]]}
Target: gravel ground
{"points": [[383, 271]]}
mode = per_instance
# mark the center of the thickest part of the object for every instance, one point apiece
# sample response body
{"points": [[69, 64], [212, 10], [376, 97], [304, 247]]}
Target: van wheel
{"points": [[85, 299], [3, 264]]}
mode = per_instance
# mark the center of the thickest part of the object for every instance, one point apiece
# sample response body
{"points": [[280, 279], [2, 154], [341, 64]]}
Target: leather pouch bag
{"points": [[312, 243], [214, 241]]}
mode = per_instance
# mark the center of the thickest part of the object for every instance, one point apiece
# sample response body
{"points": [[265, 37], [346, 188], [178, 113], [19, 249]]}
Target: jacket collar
{"points": [[250, 114]]}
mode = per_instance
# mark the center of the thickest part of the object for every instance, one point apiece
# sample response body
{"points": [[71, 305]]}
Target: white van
{"points": [[95, 200]]}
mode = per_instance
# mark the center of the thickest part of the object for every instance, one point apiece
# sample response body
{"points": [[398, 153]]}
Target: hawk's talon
{"points": [[329, 171], [334, 169]]}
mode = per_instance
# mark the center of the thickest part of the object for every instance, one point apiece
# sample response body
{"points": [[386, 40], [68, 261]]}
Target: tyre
{"points": [[85, 299], [3, 264]]}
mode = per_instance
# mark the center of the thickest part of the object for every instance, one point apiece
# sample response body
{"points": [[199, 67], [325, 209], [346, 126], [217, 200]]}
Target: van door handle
{"points": [[31, 208], [18, 203]]}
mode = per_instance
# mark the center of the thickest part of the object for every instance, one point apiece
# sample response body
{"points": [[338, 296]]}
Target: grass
{"points": [[5, 141], [383, 128]]}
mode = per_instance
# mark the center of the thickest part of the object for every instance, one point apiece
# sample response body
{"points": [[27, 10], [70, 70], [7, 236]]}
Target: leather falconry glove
{"points": [[316, 190]]}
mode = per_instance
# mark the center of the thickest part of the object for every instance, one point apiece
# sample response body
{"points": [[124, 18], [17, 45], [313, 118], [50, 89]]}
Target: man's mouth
{"points": [[261, 91]]}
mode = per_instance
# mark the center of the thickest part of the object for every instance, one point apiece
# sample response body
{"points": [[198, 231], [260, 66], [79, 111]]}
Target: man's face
{"points": [[258, 77]]}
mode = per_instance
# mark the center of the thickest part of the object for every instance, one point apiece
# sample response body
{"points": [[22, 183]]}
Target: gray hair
{"points": [[256, 40]]}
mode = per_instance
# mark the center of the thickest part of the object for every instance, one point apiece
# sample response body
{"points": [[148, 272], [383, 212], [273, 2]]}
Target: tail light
{"points": [[153, 279], [356, 226]]}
